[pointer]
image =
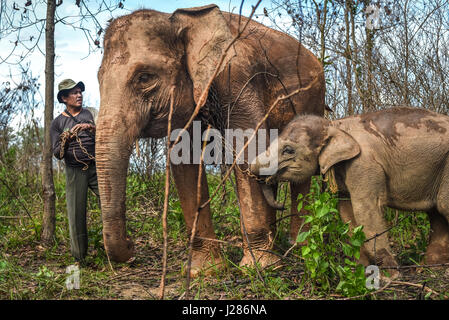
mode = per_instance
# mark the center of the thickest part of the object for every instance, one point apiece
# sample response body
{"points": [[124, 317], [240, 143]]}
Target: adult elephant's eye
{"points": [[145, 82], [144, 78], [287, 150]]}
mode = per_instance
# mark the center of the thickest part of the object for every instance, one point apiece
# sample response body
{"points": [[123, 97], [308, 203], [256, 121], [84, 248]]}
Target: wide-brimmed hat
{"points": [[66, 85]]}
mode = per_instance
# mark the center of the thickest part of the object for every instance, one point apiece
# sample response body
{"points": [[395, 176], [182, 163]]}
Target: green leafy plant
{"points": [[45, 273], [330, 249]]}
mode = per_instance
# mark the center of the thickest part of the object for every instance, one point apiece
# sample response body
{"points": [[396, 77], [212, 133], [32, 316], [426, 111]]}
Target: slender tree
{"points": [[368, 10], [48, 225], [348, 55]]}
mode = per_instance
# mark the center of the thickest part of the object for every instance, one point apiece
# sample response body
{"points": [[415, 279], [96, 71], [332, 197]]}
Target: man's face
{"points": [[74, 98]]}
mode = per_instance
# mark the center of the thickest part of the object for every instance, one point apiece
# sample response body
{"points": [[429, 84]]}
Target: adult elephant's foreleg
{"points": [[206, 253], [257, 222]]}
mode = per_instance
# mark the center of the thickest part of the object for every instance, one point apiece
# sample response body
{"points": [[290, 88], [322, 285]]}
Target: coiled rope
{"points": [[68, 136]]}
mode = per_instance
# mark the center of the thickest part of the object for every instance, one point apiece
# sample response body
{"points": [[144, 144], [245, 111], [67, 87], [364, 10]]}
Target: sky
{"points": [[73, 57]]}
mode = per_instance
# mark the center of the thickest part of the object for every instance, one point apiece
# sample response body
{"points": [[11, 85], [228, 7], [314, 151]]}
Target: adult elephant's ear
{"points": [[206, 36], [339, 146]]}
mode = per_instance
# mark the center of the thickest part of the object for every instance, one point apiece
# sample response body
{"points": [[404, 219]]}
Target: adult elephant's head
{"points": [[149, 58]]}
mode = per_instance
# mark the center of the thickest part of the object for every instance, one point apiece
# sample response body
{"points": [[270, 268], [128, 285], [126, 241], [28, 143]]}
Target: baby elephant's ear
{"points": [[340, 146]]}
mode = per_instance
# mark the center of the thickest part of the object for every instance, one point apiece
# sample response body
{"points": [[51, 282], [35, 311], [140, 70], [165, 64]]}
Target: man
{"points": [[73, 139]]}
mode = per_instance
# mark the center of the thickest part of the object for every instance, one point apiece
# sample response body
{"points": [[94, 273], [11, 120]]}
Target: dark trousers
{"points": [[77, 183]]}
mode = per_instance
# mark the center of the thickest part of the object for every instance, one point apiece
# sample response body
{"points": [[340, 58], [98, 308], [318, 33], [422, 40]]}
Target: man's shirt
{"points": [[62, 123]]}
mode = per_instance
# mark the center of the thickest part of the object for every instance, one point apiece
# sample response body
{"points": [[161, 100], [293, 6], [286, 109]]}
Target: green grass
{"points": [[410, 235]]}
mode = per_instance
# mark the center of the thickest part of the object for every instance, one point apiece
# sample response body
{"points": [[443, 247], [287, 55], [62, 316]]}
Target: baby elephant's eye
{"points": [[287, 150]]}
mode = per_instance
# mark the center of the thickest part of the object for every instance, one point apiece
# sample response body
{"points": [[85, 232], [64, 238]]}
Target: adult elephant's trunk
{"points": [[113, 149]]}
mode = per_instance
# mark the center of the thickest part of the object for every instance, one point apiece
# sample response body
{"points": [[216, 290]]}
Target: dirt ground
{"points": [[140, 279]]}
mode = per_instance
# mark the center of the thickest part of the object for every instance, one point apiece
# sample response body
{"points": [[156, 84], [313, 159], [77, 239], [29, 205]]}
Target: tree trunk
{"points": [[348, 57], [406, 97], [48, 224], [322, 19], [369, 79], [355, 58]]}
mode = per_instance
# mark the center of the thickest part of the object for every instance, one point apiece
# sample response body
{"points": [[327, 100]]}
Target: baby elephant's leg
{"points": [[438, 248], [367, 186]]}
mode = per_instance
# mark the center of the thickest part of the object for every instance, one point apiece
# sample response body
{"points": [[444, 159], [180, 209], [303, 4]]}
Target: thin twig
{"points": [[247, 83], [420, 294], [290, 249], [370, 293], [13, 217], [133, 273], [18, 199], [393, 226], [110, 264], [230, 243], [414, 285], [280, 257], [436, 265], [181, 297], [167, 189]]}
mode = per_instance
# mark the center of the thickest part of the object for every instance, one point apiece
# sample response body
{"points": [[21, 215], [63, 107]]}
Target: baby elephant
{"points": [[397, 157]]}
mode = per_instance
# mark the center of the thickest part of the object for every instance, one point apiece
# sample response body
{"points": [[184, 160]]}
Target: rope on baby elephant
{"points": [[329, 178]]}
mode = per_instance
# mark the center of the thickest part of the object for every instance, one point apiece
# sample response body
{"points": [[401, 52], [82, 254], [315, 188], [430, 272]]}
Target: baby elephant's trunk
{"points": [[269, 192]]}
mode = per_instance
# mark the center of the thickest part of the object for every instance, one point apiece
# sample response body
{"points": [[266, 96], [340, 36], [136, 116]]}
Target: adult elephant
{"points": [[149, 55]]}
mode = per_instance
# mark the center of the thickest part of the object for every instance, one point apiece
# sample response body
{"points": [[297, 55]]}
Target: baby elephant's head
{"points": [[308, 145]]}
